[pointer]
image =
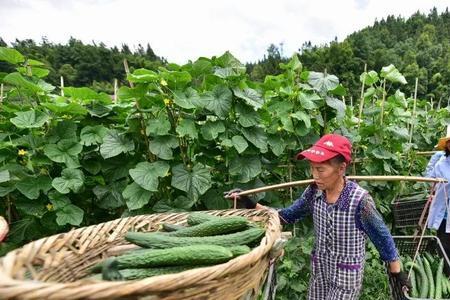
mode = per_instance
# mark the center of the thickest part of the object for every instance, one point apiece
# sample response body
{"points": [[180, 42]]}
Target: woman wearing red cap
{"points": [[344, 215]]}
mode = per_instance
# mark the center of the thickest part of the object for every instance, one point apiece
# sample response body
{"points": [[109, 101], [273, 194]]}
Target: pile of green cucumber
{"points": [[428, 279], [207, 240]]}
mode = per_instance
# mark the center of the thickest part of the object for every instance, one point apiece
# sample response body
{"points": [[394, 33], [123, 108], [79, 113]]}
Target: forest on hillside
{"points": [[418, 46]]}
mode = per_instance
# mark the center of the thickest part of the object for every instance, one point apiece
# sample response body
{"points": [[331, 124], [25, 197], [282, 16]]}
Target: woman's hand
{"points": [[242, 201]]}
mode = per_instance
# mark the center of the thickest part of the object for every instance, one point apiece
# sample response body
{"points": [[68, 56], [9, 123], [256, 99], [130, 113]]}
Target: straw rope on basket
{"points": [[54, 267]]}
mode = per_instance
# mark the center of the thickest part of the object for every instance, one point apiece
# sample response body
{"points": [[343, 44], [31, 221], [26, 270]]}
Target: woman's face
{"points": [[326, 174]]}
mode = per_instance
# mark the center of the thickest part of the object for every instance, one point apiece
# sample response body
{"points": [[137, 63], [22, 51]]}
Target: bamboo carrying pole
{"points": [[425, 153], [358, 178]]}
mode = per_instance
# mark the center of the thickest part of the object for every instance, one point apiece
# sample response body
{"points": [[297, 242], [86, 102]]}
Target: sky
{"points": [[183, 30]]}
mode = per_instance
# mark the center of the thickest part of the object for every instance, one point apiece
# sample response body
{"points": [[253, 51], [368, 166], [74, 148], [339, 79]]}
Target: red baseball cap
{"points": [[327, 147]]}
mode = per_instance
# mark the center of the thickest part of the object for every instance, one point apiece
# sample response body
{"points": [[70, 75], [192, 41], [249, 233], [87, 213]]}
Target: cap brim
{"points": [[442, 142], [316, 154]]}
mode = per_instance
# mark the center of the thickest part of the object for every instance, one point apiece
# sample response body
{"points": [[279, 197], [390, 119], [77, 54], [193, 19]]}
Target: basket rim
{"points": [[79, 288]]}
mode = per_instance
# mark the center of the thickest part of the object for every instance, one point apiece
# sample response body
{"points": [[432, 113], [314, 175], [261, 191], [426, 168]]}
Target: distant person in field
{"points": [[344, 215], [440, 206]]}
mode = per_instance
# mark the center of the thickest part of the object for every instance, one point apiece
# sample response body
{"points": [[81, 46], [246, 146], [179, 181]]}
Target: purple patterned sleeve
{"points": [[369, 220], [301, 208]]}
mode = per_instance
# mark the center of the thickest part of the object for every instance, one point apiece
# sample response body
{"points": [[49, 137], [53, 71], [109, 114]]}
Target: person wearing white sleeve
{"points": [[440, 206]]}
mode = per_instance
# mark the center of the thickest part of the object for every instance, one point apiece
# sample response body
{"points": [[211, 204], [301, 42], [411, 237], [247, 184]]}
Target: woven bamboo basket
{"points": [[54, 267]]}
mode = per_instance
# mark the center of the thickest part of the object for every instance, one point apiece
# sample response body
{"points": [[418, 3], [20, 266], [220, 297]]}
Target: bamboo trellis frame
{"points": [[358, 178]]}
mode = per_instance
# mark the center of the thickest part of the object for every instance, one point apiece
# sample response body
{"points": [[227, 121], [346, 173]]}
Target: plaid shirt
{"points": [[349, 233]]}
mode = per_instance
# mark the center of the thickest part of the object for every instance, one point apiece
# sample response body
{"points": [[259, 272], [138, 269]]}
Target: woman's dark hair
{"points": [[447, 152], [338, 159]]}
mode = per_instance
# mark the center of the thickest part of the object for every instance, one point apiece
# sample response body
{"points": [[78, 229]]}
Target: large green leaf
{"points": [[135, 196], [176, 79], [143, 76], [286, 120], [230, 66], [62, 108], [213, 199], [29, 119], [338, 105], [245, 168], [146, 174], [239, 143], [210, 130], [19, 81], [69, 214], [91, 135], [201, 67], [115, 143], [294, 64], [382, 153], [323, 82], [4, 176], [277, 144], [399, 132], [257, 137], [158, 126], [70, 180], [186, 99], [392, 74], [110, 196], [302, 116], [30, 186], [218, 100], [195, 182], [25, 229], [98, 110], [65, 151], [5, 190], [181, 203], [36, 208], [247, 116], [81, 93], [33, 71], [162, 146], [251, 96], [58, 200], [93, 165], [65, 130], [11, 55], [369, 78], [186, 127]]}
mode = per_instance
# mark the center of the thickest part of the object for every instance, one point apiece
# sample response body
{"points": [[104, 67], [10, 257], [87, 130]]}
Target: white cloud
{"points": [[181, 30]]}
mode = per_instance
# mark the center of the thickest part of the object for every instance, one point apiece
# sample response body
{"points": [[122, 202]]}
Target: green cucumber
{"points": [[196, 218], [161, 241], [167, 227], [440, 269], [133, 274], [423, 278], [444, 286], [431, 290], [213, 227], [414, 291], [239, 250], [429, 257], [176, 256]]}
